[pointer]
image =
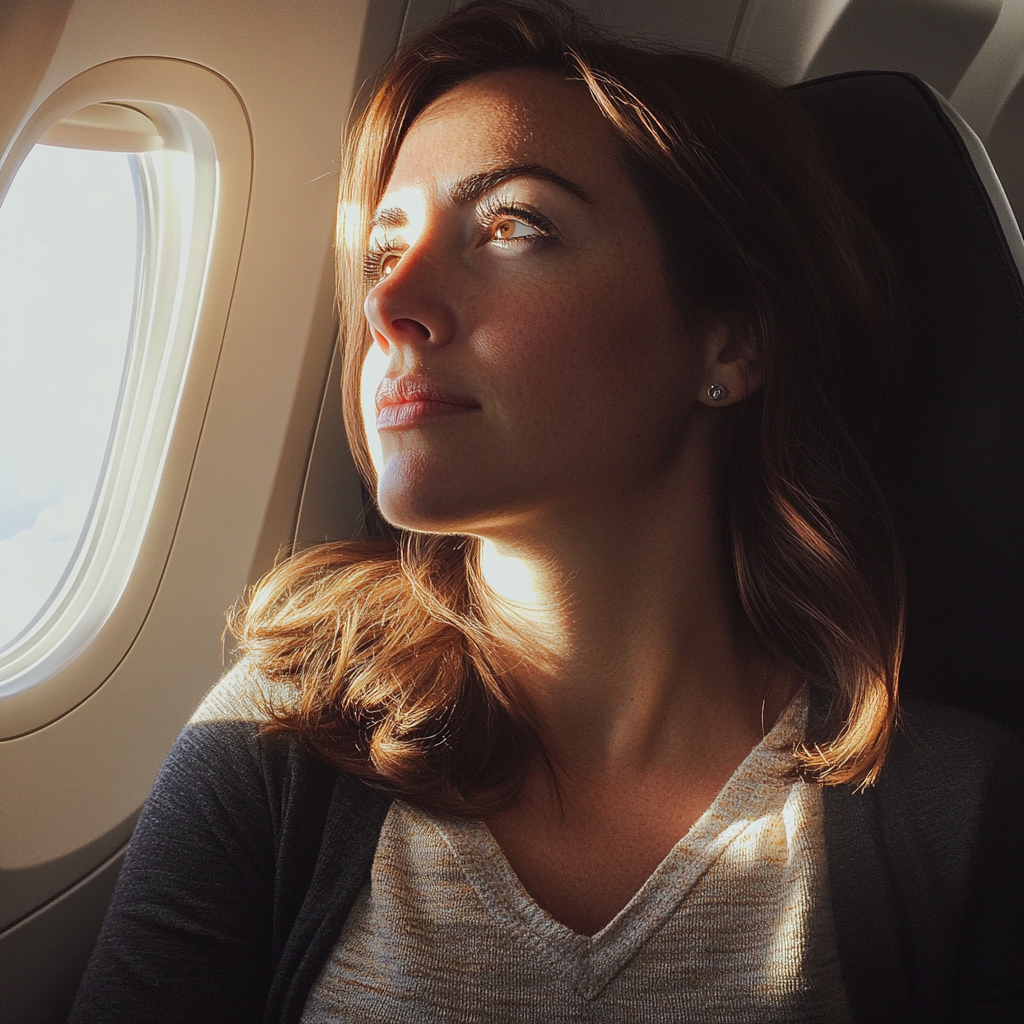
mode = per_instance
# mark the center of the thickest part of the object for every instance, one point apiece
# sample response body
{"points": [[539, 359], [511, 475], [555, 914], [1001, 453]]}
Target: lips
{"points": [[409, 400]]}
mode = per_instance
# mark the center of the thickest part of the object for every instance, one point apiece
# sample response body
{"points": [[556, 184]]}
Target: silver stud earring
{"points": [[716, 392]]}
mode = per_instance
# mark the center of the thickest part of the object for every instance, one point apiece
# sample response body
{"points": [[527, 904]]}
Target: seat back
{"points": [[949, 451]]}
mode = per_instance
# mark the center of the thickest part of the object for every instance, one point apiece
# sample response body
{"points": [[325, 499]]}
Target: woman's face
{"points": [[534, 362]]}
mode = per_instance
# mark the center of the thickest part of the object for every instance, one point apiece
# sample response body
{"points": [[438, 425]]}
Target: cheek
{"points": [[587, 355]]}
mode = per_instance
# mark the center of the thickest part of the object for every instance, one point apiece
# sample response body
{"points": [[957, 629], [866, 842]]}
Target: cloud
{"points": [[19, 510]]}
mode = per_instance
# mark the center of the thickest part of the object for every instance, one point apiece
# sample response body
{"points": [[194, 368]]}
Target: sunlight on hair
{"points": [[375, 365], [507, 576], [350, 226]]}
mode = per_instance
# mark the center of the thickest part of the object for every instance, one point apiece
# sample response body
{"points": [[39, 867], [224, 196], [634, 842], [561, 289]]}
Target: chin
{"points": [[425, 503]]}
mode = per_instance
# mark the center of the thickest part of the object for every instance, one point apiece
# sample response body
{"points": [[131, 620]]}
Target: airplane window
{"points": [[105, 240], [71, 241]]}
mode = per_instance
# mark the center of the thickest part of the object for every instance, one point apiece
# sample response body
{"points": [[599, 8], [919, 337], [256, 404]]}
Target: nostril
{"points": [[405, 325]]}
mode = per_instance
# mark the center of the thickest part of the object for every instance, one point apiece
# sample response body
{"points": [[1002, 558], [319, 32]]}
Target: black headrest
{"points": [[950, 449]]}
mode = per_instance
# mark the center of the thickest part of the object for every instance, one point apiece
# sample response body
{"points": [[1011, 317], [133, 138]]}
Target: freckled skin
{"points": [[573, 347]]}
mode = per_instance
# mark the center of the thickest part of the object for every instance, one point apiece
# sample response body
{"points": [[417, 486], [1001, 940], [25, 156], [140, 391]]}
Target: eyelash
{"points": [[491, 210], [373, 262]]}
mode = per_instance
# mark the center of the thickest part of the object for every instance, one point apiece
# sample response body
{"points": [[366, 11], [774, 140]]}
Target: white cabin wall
{"points": [[29, 33], [293, 66], [70, 789]]}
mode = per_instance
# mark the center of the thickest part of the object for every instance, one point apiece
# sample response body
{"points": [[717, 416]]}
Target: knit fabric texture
{"points": [[734, 925]]}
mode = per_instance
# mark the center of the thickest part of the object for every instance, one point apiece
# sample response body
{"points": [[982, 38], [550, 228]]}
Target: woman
{"points": [[582, 735]]}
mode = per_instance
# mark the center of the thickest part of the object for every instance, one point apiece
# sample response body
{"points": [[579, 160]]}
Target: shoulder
{"points": [[952, 788], [227, 768], [236, 696], [949, 796], [941, 753], [233, 785], [930, 728], [925, 870], [228, 737], [230, 760]]}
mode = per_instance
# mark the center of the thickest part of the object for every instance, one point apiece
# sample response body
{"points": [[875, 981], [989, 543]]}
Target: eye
{"points": [[511, 224], [379, 263], [509, 227]]}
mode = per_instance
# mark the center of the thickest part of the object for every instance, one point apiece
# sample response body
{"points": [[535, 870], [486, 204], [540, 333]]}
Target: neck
{"points": [[646, 659]]}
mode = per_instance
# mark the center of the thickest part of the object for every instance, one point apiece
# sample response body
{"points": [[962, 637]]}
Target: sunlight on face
{"points": [[400, 218], [375, 365], [404, 215]]}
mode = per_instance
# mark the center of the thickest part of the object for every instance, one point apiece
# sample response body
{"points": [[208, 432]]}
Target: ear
{"points": [[732, 365]]}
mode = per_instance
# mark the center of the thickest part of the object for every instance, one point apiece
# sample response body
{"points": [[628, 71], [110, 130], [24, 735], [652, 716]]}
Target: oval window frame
{"points": [[68, 667]]}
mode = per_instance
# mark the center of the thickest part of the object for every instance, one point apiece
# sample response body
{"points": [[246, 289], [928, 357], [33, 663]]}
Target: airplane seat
{"points": [[949, 449]]}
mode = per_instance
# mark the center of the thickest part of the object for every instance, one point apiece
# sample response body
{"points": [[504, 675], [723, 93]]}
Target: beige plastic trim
{"points": [[30, 31], [795, 39], [110, 127], [155, 86]]}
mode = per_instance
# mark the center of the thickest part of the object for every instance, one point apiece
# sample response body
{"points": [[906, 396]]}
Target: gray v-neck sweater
{"points": [[250, 853], [734, 925]]}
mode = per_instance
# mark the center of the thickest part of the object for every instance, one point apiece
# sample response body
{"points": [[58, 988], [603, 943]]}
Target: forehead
{"points": [[503, 118]]}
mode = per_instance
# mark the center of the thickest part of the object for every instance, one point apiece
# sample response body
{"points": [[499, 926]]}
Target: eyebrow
{"points": [[471, 188], [390, 217]]}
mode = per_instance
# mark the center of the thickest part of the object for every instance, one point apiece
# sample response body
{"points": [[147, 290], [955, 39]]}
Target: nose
{"points": [[410, 308]]}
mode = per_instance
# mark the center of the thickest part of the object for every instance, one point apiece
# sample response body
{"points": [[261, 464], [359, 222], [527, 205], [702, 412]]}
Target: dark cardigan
{"points": [[250, 852]]}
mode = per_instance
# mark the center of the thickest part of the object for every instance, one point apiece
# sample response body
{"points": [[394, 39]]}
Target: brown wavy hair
{"points": [[381, 654]]}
